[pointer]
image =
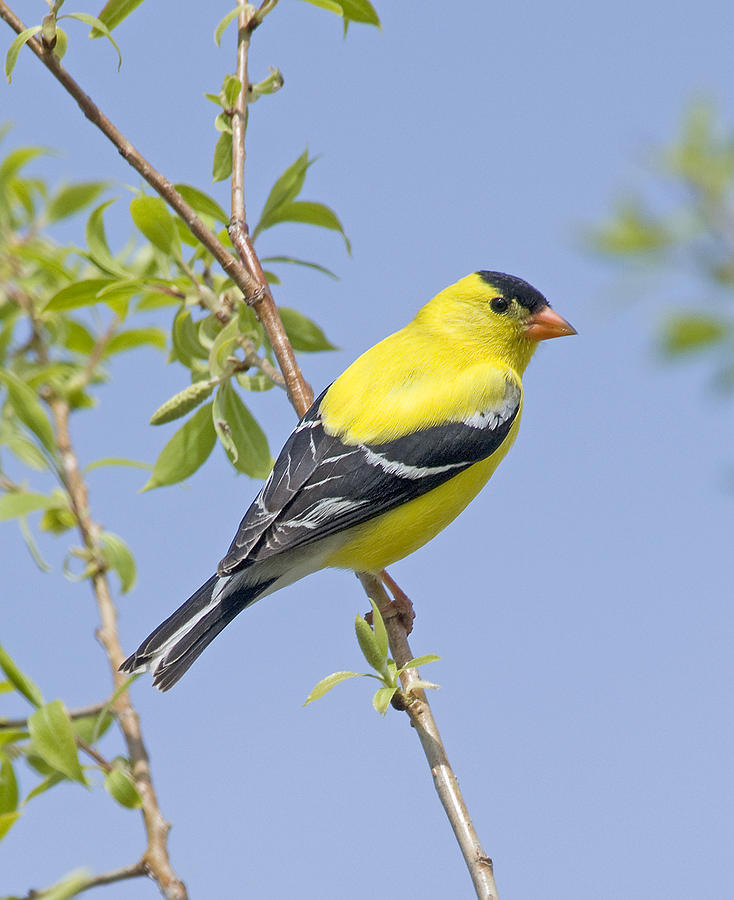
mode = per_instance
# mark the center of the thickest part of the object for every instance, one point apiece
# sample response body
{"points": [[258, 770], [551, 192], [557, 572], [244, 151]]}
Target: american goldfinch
{"points": [[386, 457]]}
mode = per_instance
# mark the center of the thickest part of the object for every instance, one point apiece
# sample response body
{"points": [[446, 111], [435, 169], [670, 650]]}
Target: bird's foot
{"points": [[400, 606]]}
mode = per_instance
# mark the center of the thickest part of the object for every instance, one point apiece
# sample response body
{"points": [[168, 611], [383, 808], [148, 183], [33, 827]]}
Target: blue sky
{"points": [[581, 605]]}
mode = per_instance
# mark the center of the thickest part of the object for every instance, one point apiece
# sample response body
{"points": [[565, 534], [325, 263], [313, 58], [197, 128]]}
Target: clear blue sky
{"points": [[582, 605]]}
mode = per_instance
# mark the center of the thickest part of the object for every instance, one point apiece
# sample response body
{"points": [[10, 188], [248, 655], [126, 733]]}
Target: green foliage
{"points": [[360, 11], [114, 12], [53, 740], [373, 642], [685, 238]]}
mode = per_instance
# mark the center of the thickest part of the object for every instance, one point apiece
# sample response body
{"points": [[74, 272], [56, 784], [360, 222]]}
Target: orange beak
{"points": [[546, 324]]}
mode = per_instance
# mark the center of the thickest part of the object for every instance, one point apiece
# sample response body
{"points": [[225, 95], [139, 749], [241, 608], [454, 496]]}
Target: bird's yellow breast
{"points": [[387, 538]]}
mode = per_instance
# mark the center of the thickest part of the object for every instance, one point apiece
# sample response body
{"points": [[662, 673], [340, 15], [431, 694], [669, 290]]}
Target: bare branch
{"points": [[136, 870], [82, 712]]}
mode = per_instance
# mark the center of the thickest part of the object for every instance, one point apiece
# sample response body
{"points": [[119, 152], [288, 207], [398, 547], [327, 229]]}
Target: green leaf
{"points": [[185, 337], [182, 402], [350, 10], [78, 294], [186, 451], [383, 645], [73, 198], [21, 503], [96, 238], [12, 58], [53, 739], [48, 782], [382, 698], [222, 164], [286, 189], [420, 661], [114, 12], [370, 646], [292, 260], [71, 886], [331, 681], [241, 435], [8, 786], [91, 728], [231, 89], [151, 216], [29, 410], [202, 203], [117, 555], [303, 334], [98, 26], [16, 159], [7, 820], [308, 213], [10, 735], [136, 337], [22, 683], [117, 461], [119, 785], [692, 332], [77, 337], [224, 345], [224, 23], [255, 383]]}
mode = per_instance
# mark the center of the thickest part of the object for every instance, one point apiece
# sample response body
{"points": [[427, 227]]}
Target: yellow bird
{"points": [[385, 458]]}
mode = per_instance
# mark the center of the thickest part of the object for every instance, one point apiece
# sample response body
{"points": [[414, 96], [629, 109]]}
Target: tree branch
{"points": [[156, 856], [82, 712], [136, 870]]}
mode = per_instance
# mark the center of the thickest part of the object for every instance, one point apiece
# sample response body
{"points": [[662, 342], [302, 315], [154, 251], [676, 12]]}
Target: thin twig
{"points": [[82, 712], [136, 870], [253, 360], [156, 855], [94, 754]]}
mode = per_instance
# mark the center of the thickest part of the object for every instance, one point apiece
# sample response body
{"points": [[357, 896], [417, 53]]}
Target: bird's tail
{"points": [[176, 643]]}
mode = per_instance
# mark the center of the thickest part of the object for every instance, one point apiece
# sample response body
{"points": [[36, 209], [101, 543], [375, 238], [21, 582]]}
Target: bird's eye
{"points": [[499, 304]]}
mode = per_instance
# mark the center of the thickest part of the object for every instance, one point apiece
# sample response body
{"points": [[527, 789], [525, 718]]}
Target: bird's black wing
{"points": [[321, 485]]}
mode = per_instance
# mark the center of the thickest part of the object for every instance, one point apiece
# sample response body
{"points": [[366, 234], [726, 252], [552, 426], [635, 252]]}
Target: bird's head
{"points": [[496, 314]]}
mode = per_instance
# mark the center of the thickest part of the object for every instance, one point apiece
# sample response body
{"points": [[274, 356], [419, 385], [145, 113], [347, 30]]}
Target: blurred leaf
{"points": [[632, 230], [241, 435], [29, 410], [119, 785], [21, 503], [32, 546], [78, 294], [57, 520], [286, 188], [71, 886], [692, 332], [7, 820], [12, 58], [116, 461], [22, 683], [8, 786], [10, 735], [303, 334], [77, 337], [91, 728], [255, 383], [114, 12], [151, 216], [185, 338], [136, 337], [96, 238], [378, 625], [350, 10], [117, 555], [48, 782], [98, 26], [292, 260], [308, 213], [331, 681], [382, 698], [223, 347], [222, 164], [186, 451], [202, 203], [73, 198], [53, 739], [182, 402]]}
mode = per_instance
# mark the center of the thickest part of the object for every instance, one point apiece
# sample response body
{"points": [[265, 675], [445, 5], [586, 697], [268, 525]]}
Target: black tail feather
{"points": [[176, 643]]}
